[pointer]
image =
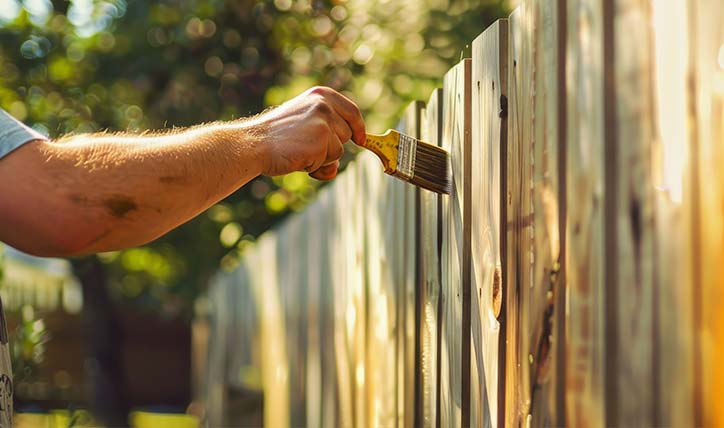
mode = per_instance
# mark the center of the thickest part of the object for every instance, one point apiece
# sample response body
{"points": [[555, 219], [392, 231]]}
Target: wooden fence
{"points": [[574, 277]]}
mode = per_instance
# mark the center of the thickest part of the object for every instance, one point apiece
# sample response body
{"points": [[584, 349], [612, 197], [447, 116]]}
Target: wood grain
{"points": [[408, 359], [429, 285], [380, 232], [292, 288], [547, 202], [455, 255], [630, 215], [346, 277], [672, 322], [585, 167], [489, 86], [519, 222]]}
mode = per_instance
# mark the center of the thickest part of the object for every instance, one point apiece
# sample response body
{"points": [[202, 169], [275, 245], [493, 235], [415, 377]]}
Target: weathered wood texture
{"points": [[534, 143], [455, 254], [585, 216], [520, 225], [575, 268], [673, 321], [488, 143], [630, 236], [430, 238]]}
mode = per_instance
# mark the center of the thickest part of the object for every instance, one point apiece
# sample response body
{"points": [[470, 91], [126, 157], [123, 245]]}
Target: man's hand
{"points": [[307, 133]]}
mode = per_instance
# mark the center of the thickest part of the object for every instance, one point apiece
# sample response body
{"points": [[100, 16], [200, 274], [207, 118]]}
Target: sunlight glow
{"points": [[9, 11], [670, 64], [39, 10]]}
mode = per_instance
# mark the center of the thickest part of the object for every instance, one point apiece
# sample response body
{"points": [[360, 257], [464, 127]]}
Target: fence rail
{"points": [[574, 277]]}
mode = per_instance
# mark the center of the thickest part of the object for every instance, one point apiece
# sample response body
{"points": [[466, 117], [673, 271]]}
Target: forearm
{"points": [[109, 191]]}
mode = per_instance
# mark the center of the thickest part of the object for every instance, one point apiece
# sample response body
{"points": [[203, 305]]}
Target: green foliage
{"points": [[82, 66], [27, 346]]}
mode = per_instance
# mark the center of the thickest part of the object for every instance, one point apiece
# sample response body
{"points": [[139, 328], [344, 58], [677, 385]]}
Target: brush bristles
{"points": [[432, 168]]}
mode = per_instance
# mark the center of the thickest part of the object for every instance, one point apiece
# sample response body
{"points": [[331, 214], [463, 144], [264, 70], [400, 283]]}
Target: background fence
{"points": [[573, 277]]}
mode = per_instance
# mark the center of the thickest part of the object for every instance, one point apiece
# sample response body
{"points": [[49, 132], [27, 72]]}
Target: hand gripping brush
{"points": [[412, 160]]}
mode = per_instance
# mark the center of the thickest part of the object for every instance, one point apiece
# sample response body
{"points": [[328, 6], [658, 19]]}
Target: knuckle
{"points": [[322, 108], [319, 90]]}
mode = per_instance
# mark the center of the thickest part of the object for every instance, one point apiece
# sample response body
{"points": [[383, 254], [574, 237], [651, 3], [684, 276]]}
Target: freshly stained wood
{"points": [[585, 210], [429, 284], [489, 74], [455, 255]]}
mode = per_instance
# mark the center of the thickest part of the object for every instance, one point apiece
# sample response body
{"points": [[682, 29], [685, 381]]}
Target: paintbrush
{"points": [[412, 160]]}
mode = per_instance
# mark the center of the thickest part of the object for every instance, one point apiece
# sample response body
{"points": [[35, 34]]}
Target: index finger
{"points": [[350, 113]]}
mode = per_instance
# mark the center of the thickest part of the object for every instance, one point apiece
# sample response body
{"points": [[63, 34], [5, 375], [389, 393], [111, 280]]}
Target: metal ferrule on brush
{"points": [[407, 150], [412, 160]]}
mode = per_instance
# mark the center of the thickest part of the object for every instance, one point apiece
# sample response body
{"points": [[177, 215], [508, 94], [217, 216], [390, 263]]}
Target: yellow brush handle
{"points": [[386, 147]]}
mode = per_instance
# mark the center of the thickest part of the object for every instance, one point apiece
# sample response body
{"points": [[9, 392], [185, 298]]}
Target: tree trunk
{"points": [[104, 364]]}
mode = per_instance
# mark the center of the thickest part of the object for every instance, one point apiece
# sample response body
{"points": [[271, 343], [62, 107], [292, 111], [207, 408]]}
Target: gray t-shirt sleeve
{"points": [[14, 133]]}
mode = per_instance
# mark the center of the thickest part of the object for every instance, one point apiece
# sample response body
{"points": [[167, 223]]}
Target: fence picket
{"points": [[489, 71]]}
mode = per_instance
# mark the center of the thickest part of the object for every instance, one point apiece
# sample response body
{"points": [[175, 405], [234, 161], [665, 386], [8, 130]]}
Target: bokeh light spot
{"points": [[283, 5], [230, 234]]}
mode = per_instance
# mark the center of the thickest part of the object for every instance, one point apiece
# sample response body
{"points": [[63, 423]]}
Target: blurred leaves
{"points": [[27, 345], [86, 65]]}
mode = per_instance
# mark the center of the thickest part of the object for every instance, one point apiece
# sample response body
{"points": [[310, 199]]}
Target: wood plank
{"points": [[584, 225], [543, 148], [216, 399], [380, 207], [359, 296], [707, 112], [429, 281], [455, 255], [275, 367], [313, 243], [244, 364], [630, 248], [489, 74], [345, 278], [327, 289], [292, 286], [407, 359], [674, 293], [519, 218]]}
